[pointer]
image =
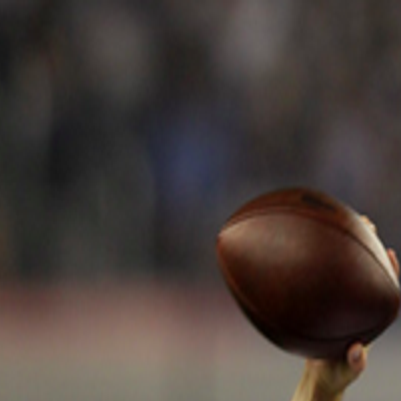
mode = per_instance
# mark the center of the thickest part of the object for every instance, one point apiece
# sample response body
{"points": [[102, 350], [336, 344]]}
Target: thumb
{"points": [[355, 364], [334, 376], [357, 359]]}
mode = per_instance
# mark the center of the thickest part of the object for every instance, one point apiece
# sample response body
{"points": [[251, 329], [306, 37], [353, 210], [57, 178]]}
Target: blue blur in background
{"points": [[129, 131]]}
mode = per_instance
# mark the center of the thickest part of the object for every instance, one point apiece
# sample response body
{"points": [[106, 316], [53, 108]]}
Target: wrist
{"points": [[310, 388], [320, 395]]}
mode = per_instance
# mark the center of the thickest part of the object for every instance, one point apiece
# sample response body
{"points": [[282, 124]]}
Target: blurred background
{"points": [[129, 131]]}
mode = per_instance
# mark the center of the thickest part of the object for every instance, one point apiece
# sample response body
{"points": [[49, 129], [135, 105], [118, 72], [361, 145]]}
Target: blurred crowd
{"points": [[130, 130]]}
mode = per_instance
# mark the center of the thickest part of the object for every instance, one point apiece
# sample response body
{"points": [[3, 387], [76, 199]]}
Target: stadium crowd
{"points": [[130, 130]]}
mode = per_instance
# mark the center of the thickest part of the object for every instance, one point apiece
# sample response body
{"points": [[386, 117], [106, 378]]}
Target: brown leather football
{"points": [[308, 272]]}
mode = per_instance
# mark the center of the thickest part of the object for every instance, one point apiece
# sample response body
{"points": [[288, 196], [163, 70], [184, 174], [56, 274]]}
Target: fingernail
{"points": [[356, 354]]}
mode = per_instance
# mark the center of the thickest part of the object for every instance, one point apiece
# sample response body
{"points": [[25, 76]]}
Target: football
{"points": [[308, 272]]}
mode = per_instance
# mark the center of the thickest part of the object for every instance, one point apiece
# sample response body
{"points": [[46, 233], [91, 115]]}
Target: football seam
{"points": [[305, 212], [260, 212], [242, 299]]}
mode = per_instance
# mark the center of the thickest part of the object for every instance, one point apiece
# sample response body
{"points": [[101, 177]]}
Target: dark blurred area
{"points": [[129, 131]]}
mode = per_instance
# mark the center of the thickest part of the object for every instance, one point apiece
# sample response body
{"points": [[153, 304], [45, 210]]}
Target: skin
{"points": [[325, 380]]}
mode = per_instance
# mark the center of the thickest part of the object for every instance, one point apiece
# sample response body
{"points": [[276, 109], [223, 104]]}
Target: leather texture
{"points": [[308, 273]]}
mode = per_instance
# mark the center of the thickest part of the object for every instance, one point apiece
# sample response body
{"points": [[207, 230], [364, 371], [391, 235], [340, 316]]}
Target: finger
{"points": [[357, 358], [367, 221], [394, 260]]}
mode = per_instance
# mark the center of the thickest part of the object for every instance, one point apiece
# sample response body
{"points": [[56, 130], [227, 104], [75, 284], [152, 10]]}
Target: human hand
{"points": [[326, 380]]}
